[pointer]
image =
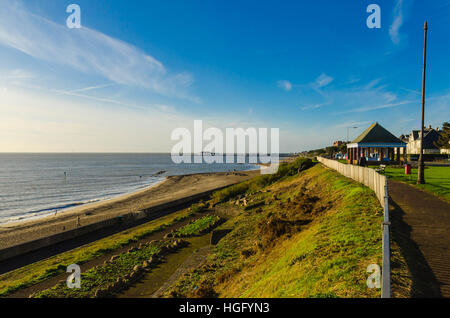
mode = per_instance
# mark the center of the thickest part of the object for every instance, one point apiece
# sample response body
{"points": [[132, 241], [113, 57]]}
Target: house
{"points": [[430, 136], [375, 144], [337, 143]]}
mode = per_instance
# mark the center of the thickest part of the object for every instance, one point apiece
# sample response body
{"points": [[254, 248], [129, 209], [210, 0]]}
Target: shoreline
{"points": [[170, 189], [22, 220], [90, 204]]}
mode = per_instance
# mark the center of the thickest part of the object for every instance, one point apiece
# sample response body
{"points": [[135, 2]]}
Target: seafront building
{"points": [[375, 144], [430, 136]]}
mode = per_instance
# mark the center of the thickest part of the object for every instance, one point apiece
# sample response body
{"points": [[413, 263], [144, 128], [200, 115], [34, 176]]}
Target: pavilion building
{"points": [[376, 144]]}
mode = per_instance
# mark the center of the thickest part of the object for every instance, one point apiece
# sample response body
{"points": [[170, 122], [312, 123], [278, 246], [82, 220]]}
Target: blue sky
{"points": [[136, 70]]}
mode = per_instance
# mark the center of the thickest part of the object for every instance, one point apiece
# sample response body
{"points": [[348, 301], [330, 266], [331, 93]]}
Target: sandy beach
{"points": [[173, 188]]}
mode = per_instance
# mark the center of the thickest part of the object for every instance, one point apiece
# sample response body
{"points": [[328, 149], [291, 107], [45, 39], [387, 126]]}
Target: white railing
{"points": [[378, 183]]}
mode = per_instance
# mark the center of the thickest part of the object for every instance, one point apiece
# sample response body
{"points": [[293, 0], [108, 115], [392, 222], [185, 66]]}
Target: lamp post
{"points": [[347, 132], [420, 172]]}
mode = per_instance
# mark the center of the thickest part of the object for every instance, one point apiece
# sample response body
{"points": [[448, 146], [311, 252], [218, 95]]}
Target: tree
{"points": [[343, 148], [444, 137]]}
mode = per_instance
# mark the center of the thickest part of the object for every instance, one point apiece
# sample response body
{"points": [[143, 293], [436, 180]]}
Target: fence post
{"points": [[386, 271]]}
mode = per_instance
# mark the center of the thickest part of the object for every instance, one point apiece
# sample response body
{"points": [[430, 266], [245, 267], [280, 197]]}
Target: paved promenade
{"points": [[421, 227]]}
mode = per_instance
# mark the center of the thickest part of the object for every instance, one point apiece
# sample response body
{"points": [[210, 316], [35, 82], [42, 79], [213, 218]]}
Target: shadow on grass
{"points": [[424, 283]]}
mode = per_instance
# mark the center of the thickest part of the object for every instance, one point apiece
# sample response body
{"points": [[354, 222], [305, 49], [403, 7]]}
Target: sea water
{"points": [[34, 185]]}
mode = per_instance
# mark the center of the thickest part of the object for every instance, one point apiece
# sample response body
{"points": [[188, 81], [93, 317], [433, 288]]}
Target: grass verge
{"points": [[437, 179]]}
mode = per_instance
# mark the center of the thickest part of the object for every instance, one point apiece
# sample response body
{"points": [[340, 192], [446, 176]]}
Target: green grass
{"points": [[437, 179], [102, 276], [314, 237], [34, 273], [284, 170], [197, 227], [199, 207]]}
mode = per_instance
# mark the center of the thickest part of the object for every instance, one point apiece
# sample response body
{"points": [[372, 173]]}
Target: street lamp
{"points": [[347, 132]]}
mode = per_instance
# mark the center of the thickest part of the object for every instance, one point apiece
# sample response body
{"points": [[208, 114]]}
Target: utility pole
{"points": [[420, 173]]}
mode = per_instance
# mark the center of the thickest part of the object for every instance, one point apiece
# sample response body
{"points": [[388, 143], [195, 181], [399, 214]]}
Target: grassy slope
{"points": [[437, 179], [197, 226], [273, 251], [39, 271]]}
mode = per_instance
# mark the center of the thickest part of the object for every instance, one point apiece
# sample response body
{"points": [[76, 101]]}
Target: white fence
{"points": [[378, 183], [367, 176]]}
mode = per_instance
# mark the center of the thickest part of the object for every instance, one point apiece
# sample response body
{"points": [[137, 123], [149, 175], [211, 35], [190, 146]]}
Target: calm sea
{"points": [[33, 185]]}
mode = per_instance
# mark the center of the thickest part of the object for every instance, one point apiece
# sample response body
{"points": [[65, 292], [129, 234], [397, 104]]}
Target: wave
{"points": [[33, 214], [45, 211], [62, 207]]}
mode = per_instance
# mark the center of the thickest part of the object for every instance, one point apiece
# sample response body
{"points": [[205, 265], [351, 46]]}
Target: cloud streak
{"points": [[314, 106], [353, 123], [16, 74], [85, 89], [382, 106], [323, 80], [394, 29], [88, 51]]}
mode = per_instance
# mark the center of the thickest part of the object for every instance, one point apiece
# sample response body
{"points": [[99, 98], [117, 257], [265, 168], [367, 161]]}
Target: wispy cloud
{"points": [[373, 83], [85, 89], [377, 107], [17, 74], [353, 124], [161, 108], [397, 22], [98, 99], [350, 82], [411, 90], [316, 85], [286, 85], [87, 50], [390, 97], [76, 93], [314, 106], [323, 80], [166, 108]]}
